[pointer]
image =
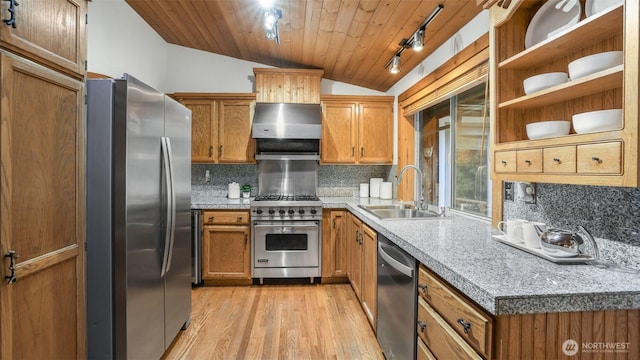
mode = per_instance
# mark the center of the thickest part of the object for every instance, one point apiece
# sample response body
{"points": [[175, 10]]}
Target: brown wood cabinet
{"points": [[42, 192], [357, 130], [226, 245], [220, 127], [288, 85], [607, 158], [334, 245], [362, 243]]}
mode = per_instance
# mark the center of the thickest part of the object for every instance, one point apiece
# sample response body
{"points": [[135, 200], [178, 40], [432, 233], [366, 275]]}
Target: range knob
{"points": [[281, 211], [313, 211], [301, 211], [259, 211], [271, 211], [291, 211]]}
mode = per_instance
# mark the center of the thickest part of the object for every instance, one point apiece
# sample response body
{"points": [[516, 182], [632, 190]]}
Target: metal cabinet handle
{"points": [[423, 288], [211, 218], [557, 160], [465, 325], [353, 151], [211, 151], [220, 150], [504, 162], [597, 159], [11, 278], [361, 151], [422, 326], [528, 162], [12, 10]]}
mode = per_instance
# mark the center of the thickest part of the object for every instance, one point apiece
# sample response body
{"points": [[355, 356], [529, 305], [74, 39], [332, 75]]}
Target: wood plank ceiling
{"points": [[351, 40]]}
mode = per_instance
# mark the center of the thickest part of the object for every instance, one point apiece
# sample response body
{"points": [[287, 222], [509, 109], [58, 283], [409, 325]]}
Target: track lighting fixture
{"points": [[271, 17], [416, 42]]}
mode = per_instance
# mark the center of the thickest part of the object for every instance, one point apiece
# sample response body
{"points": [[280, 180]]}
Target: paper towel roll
{"points": [[364, 190], [374, 187], [386, 190]]}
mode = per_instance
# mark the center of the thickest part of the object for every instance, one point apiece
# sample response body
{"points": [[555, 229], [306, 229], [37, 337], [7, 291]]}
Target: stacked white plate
{"points": [[594, 121]]}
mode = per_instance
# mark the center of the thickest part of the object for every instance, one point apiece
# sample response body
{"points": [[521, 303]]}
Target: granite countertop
{"points": [[501, 279]]}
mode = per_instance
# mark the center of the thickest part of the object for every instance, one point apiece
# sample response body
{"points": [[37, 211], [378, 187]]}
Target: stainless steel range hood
{"points": [[287, 121]]}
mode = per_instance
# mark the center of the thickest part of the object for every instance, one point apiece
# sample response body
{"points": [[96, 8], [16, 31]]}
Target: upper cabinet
{"points": [[27, 31], [300, 86], [597, 158], [220, 127], [357, 129]]}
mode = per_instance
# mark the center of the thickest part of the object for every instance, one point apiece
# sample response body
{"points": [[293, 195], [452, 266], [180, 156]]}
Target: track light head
{"points": [[394, 67], [418, 40]]}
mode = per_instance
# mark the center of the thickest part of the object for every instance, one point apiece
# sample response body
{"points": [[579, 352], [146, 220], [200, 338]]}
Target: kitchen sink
{"points": [[402, 211]]}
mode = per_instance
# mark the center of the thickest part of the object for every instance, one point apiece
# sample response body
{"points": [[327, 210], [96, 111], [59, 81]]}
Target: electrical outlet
{"points": [[508, 191]]}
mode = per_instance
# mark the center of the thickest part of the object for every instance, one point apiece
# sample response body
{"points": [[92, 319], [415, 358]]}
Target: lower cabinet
{"points": [[334, 245], [362, 245], [450, 326], [226, 245]]}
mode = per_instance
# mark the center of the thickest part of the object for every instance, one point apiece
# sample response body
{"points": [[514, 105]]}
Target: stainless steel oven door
{"points": [[286, 244]]}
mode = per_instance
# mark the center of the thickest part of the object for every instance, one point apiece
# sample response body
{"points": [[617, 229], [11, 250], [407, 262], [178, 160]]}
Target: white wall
{"points": [[120, 41]]}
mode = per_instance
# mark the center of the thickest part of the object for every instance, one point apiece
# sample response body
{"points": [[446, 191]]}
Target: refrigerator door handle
{"points": [[173, 204], [170, 214]]}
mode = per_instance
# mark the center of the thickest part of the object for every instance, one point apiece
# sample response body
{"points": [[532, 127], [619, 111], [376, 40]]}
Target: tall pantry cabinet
{"points": [[42, 64]]}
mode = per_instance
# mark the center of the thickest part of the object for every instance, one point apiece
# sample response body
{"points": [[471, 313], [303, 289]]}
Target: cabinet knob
{"points": [[422, 326], [211, 218], [557, 160], [528, 162], [423, 288], [597, 159], [465, 325], [504, 162], [239, 219]]}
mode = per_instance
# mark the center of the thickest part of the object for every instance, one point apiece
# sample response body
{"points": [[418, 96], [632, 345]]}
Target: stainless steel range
{"points": [[286, 214]]}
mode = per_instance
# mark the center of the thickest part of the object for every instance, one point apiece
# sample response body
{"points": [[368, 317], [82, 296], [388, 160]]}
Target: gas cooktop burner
{"points": [[274, 197]]}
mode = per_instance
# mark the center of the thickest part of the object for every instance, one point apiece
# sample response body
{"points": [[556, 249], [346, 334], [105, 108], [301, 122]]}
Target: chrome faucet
{"points": [[418, 203]]}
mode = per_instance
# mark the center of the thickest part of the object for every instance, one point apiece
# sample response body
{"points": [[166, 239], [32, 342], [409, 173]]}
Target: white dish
{"points": [[593, 63], [578, 259], [594, 121], [593, 7], [544, 81], [549, 20], [548, 129]]}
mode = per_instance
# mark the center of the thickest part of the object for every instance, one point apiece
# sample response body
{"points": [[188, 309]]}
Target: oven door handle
{"points": [[293, 227]]}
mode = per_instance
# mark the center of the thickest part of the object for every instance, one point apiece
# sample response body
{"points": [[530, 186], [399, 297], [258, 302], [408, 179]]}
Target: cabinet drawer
{"points": [[560, 159], [423, 352], [603, 158], [505, 161], [456, 310], [225, 217], [529, 161], [439, 337]]}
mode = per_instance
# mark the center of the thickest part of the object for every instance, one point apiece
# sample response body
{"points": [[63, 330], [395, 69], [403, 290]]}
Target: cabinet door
{"points": [[339, 133], [42, 212], [51, 32], [355, 255], [234, 123], [334, 249], [375, 133], [370, 273], [226, 252], [204, 130]]}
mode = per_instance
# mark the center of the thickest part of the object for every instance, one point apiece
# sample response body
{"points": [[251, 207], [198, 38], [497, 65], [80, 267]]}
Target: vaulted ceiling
{"points": [[351, 40]]}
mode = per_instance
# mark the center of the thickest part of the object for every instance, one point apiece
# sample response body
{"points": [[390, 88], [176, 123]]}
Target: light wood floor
{"points": [[276, 322]]}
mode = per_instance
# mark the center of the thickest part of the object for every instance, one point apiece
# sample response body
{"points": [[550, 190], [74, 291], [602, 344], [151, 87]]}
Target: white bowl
{"points": [[593, 63], [547, 129], [544, 81], [594, 121]]}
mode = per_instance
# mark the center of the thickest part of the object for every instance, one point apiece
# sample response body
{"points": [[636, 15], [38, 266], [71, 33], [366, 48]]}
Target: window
{"points": [[454, 152]]}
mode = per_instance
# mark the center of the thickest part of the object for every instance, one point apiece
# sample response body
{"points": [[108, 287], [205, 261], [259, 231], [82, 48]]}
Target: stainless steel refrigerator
{"points": [[138, 219]]}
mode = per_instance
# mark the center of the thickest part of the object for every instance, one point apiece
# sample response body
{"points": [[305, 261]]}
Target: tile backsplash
{"points": [[333, 180], [611, 214]]}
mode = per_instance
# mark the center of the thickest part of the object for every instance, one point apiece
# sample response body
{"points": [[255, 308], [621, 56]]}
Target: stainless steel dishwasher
{"points": [[397, 301]]}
